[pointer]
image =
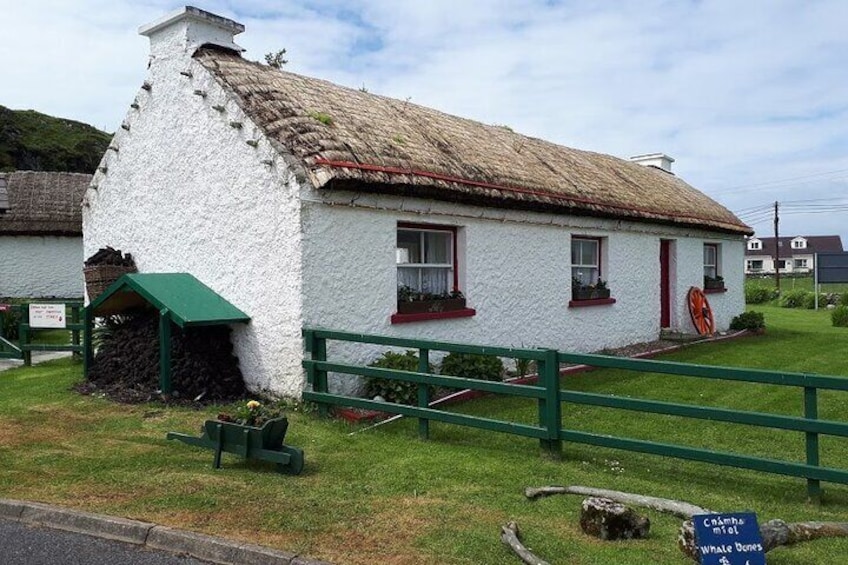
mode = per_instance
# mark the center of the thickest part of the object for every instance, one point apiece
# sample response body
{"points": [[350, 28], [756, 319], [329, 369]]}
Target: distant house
{"points": [[41, 234], [307, 203], [797, 254]]}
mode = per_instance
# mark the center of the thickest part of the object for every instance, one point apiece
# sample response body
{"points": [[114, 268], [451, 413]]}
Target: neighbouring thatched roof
{"points": [[349, 139], [43, 203]]}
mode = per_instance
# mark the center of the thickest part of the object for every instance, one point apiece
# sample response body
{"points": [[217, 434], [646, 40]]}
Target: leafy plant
{"points": [[470, 366], [325, 119], [758, 294], [796, 298], [408, 294], [843, 300], [391, 390], [839, 316], [9, 320], [753, 321], [252, 413], [276, 59]]}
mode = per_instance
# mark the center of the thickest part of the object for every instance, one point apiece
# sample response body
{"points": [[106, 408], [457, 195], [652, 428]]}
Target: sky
{"points": [[750, 98]]}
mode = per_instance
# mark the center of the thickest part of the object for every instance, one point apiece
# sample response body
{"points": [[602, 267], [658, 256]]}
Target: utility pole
{"points": [[776, 248]]}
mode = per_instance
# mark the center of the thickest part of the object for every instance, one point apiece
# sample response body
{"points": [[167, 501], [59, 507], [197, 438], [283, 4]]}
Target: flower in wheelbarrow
{"points": [[253, 405]]}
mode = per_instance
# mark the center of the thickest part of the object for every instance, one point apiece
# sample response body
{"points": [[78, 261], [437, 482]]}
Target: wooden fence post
{"points": [[811, 411], [550, 408], [423, 393]]}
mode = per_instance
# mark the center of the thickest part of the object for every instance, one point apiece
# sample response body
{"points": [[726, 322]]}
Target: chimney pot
{"points": [[658, 160]]}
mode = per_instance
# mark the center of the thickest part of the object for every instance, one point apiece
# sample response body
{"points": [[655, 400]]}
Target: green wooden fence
{"points": [[26, 333], [549, 397]]}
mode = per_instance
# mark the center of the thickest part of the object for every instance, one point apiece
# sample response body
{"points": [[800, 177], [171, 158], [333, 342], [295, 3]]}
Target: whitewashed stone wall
{"points": [[515, 271], [185, 192], [41, 266]]}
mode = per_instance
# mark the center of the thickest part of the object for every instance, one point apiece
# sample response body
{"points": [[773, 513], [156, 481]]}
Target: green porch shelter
{"points": [[178, 297]]}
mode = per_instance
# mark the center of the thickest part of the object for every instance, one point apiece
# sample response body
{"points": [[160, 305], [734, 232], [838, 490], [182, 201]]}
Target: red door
{"points": [[665, 283]]}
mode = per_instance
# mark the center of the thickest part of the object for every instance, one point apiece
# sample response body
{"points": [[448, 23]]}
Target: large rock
{"points": [[610, 520]]}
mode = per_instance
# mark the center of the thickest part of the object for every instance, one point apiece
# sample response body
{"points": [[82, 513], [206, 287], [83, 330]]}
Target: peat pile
{"points": [[126, 366]]}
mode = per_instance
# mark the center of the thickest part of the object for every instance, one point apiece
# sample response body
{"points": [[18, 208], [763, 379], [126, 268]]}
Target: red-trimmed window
{"points": [[588, 288], [426, 259], [428, 274], [585, 260]]}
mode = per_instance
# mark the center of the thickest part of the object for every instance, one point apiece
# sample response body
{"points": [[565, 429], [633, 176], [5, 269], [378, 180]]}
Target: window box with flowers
{"points": [[411, 302], [253, 431], [582, 291], [715, 284]]}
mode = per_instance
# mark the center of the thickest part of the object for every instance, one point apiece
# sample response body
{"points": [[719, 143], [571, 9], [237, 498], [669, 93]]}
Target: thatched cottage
{"points": [[306, 203], [41, 234]]}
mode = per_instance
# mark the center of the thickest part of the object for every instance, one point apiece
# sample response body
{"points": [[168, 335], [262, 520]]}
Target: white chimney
{"points": [[658, 160], [181, 32]]}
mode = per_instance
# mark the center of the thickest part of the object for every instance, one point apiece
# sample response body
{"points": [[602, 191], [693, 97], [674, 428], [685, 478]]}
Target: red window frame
{"points": [[463, 313], [436, 227]]}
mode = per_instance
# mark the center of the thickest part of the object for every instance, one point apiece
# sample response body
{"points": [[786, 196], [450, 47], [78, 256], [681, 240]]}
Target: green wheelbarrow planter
{"points": [[263, 444]]}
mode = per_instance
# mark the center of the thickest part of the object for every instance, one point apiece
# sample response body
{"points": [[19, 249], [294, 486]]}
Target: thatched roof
{"points": [[349, 139], [43, 203]]}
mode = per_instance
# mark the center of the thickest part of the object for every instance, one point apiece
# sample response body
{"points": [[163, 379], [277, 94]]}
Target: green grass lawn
{"points": [[383, 496]]}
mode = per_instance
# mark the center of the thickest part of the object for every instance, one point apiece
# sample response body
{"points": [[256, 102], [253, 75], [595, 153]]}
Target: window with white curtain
{"points": [[425, 259], [711, 269], [586, 260]]}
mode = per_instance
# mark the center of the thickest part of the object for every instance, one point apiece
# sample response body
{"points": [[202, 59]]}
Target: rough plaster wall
{"points": [[41, 266], [185, 192], [516, 269], [690, 272]]}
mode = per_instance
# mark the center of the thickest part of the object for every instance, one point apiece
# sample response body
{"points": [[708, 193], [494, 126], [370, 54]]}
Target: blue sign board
{"points": [[729, 539]]}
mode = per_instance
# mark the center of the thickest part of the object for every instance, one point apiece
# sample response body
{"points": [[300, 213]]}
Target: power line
{"points": [[783, 181]]}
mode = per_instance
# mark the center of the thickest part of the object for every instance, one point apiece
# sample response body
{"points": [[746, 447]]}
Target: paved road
{"points": [[23, 544]]}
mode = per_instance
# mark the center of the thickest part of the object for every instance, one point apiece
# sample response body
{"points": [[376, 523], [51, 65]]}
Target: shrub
{"points": [[796, 298], [468, 366], [391, 390], [753, 321], [839, 316], [757, 294], [843, 300], [9, 321]]}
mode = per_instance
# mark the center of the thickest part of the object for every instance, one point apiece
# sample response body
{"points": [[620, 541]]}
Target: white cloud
{"points": [[740, 93]]}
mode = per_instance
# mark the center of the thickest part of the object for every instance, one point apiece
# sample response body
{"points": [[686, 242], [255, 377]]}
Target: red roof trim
{"points": [[481, 184]]}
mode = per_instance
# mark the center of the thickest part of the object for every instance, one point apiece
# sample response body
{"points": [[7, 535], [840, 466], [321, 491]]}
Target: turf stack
{"points": [[126, 366]]}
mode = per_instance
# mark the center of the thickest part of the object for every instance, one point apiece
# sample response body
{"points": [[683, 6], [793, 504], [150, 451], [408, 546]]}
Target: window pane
{"points": [[435, 280], [408, 247], [709, 271], [437, 247], [586, 275], [709, 255], [584, 252], [409, 276]]}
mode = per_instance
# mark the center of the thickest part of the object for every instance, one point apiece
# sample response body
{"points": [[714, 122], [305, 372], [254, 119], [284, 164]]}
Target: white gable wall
{"points": [[41, 266], [515, 271], [186, 193]]}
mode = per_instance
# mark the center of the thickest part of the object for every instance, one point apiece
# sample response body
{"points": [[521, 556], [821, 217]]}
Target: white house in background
{"points": [[797, 253], [41, 234], [307, 203]]}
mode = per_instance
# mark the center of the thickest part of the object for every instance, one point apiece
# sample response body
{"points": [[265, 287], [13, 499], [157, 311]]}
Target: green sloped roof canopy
{"points": [[188, 301]]}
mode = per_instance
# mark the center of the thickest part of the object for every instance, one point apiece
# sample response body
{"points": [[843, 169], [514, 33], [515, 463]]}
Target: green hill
{"points": [[33, 141]]}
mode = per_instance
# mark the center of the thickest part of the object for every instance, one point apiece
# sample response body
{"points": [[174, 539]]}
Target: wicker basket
{"points": [[99, 277]]}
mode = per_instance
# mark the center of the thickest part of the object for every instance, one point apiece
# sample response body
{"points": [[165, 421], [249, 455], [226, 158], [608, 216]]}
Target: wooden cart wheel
{"points": [[699, 309]]}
